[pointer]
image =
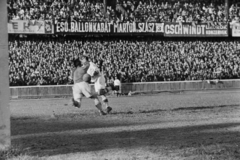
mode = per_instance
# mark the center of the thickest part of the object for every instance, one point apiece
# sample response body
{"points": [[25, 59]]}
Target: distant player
{"points": [[117, 86], [82, 88], [98, 79]]}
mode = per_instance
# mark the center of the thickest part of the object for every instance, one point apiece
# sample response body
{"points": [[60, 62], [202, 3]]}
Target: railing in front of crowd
{"points": [[140, 87]]}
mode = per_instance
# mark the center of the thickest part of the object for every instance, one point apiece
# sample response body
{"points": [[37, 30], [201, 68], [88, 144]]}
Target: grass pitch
{"points": [[192, 125]]}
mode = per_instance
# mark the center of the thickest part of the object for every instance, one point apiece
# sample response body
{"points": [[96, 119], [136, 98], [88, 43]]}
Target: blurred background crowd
{"points": [[125, 10], [48, 60]]}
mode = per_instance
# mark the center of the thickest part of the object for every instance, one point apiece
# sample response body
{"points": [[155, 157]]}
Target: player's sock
{"points": [[105, 101], [99, 106], [103, 113], [109, 109]]}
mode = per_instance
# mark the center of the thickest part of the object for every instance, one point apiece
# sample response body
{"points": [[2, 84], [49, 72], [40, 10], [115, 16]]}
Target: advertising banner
{"points": [[30, 27], [195, 30], [75, 27], [236, 30]]}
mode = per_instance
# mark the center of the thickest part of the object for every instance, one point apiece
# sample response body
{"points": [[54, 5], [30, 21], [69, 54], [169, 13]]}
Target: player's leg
{"points": [[99, 86], [99, 106], [76, 96], [105, 102], [86, 91], [117, 90], [102, 93]]}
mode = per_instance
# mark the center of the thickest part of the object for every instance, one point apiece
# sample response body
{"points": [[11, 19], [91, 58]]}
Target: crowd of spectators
{"points": [[48, 61], [82, 10], [131, 10], [205, 11]]}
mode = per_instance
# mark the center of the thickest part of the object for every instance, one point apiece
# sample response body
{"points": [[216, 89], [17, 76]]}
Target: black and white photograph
{"points": [[119, 79]]}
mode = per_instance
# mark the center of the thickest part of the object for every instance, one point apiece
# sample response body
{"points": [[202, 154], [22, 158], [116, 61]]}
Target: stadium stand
{"points": [[131, 10], [47, 61], [56, 9]]}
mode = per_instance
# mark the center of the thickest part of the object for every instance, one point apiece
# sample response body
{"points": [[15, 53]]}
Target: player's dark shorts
{"points": [[116, 88], [103, 91]]}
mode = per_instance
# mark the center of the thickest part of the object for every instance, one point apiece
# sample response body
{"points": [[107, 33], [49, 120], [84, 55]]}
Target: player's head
{"points": [[76, 63], [84, 59], [87, 78]]}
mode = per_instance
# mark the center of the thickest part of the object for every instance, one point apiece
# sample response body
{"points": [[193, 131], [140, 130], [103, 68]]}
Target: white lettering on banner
{"points": [[172, 29], [178, 29], [66, 26], [194, 30], [151, 27], [98, 27], [115, 27], [83, 27], [58, 27], [73, 27], [140, 26], [102, 27], [86, 27], [134, 27], [166, 29], [198, 29], [217, 26], [108, 27], [169, 29], [145, 27], [130, 27], [90, 27], [159, 27], [62, 27], [124, 27], [137, 27], [216, 32], [120, 27], [203, 28], [80, 27], [184, 29], [94, 27]]}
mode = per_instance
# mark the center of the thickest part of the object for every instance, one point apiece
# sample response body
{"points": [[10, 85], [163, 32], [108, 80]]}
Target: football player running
{"points": [[83, 88], [98, 79]]}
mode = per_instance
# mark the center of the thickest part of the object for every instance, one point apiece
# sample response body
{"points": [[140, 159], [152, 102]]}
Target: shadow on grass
{"points": [[176, 138], [33, 125]]}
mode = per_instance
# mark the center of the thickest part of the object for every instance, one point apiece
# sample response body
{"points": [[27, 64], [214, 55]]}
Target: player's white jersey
{"points": [[93, 71], [96, 76]]}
